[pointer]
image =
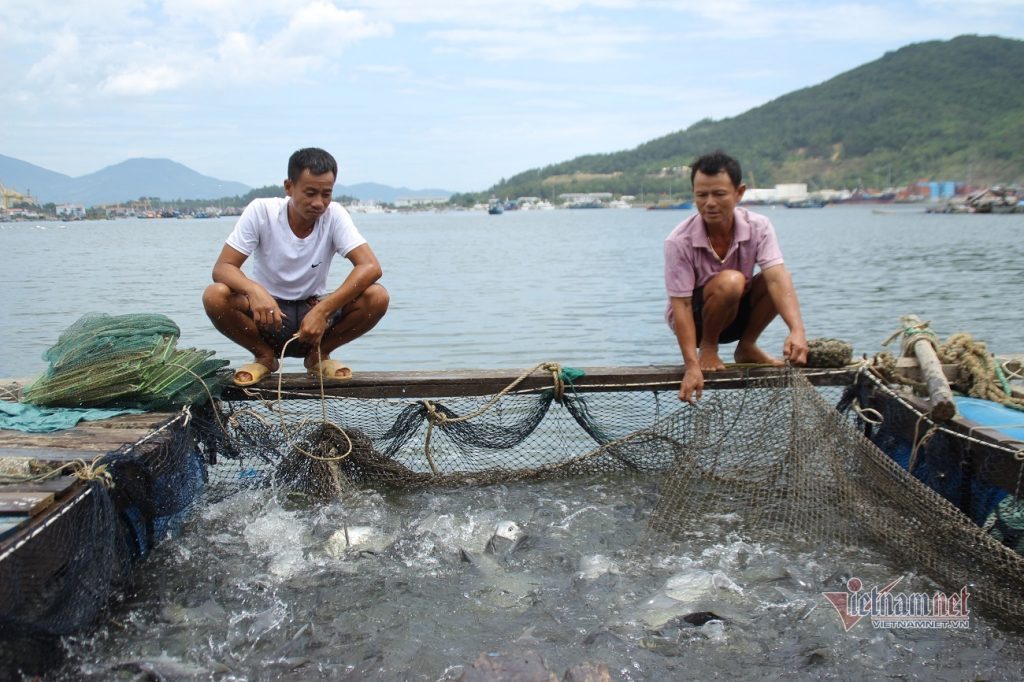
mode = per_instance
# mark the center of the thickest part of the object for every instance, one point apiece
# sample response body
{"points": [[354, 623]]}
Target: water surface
{"points": [[256, 588]]}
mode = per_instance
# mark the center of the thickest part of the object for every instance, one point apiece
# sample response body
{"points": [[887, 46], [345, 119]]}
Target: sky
{"points": [[453, 94]]}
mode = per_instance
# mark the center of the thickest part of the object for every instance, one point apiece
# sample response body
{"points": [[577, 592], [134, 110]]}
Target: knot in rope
{"points": [[434, 416], [94, 471], [558, 383]]}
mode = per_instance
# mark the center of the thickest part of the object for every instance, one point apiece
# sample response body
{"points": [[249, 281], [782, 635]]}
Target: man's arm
{"points": [[783, 295], [228, 270], [692, 386], [365, 271]]}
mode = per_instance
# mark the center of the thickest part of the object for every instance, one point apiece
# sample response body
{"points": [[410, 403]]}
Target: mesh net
{"points": [[780, 457], [776, 454], [57, 579], [126, 361], [452, 441]]}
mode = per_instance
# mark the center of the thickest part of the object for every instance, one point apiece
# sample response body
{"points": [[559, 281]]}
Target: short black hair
{"points": [[313, 159], [716, 162]]}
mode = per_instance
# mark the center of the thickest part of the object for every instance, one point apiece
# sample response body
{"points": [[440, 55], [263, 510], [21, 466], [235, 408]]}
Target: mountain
{"points": [[161, 178], [28, 178], [371, 191], [939, 110], [124, 181]]}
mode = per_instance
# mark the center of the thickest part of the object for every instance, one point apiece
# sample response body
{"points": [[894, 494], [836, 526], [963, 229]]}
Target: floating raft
{"points": [[26, 505], [475, 382], [65, 542]]}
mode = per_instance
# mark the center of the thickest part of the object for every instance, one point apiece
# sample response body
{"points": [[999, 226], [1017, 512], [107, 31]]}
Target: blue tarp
{"points": [[26, 417], [993, 415]]}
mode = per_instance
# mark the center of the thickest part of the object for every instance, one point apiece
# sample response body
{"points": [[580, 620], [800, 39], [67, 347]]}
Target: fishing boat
{"points": [[805, 203], [669, 205]]}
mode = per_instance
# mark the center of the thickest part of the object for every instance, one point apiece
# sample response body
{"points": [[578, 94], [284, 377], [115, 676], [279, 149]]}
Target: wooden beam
{"points": [[910, 368], [477, 382], [939, 392]]}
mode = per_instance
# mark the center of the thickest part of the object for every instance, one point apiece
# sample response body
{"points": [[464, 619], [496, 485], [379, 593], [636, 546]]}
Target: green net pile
{"points": [[126, 361]]}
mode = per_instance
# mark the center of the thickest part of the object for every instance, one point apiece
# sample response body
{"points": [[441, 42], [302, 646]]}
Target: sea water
{"points": [[255, 588], [579, 287]]}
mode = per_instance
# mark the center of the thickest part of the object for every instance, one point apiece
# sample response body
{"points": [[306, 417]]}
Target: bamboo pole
{"points": [[920, 341]]}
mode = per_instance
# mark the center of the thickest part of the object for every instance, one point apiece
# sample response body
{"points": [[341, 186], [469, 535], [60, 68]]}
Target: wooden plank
{"points": [[476, 382], [911, 369], [95, 441], [9, 523], [59, 486], [35, 453], [24, 503]]}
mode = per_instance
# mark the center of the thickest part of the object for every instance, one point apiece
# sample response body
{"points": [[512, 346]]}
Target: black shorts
{"points": [[734, 330], [293, 311]]}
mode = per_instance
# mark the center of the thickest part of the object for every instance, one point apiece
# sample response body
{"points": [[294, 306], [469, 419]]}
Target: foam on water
{"points": [[250, 590]]}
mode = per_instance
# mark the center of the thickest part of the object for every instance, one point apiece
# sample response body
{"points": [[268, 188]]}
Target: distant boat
{"points": [[585, 203], [805, 203], [664, 205], [495, 208]]}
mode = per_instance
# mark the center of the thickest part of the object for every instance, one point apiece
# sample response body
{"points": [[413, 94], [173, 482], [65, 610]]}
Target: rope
{"points": [[209, 394], [909, 334], [79, 468], [869, 414], [436, 418], [1010, 373], [323, 410], [879, 383], [440, 419], [922, 442], [984, 376]]}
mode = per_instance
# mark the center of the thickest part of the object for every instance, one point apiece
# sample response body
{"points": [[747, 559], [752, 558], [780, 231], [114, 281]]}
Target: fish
{"points": [[500, 586], [508, 537], [356, 540], [693, 598], [161, 669]]}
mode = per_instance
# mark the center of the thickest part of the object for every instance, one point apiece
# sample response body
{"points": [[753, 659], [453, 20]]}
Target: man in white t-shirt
{"points": [[284, 304]]}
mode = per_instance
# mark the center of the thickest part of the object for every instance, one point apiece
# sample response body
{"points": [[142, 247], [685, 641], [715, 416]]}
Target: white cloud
{"points": [[146, 80], [324, 30], [126, 48], [589, 42]]}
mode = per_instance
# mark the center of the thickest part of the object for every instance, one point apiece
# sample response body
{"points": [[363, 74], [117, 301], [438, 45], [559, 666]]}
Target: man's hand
{"points": [[265, 311], [312, 328], [692, 386], [795, 348]]}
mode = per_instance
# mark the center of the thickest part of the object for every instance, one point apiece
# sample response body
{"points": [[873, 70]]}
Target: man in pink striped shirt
{"points": [[714, 295]]}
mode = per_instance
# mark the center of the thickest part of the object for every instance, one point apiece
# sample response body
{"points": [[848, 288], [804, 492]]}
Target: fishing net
{"points": [[474, 440], [780, 457], [126, 361], [775, 453], [80, 554]]}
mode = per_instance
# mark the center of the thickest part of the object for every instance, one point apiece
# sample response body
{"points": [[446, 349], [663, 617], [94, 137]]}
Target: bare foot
{"points": [[753, 354], [709, 360]]}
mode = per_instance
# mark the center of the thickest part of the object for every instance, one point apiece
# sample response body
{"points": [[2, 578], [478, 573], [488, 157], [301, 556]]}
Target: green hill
{"points": [[942, 110]]}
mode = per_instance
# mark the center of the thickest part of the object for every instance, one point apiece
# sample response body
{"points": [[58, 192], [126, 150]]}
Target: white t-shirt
{"points": [[288, 267]]}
